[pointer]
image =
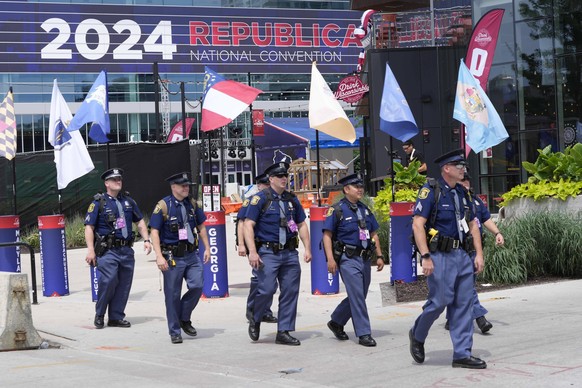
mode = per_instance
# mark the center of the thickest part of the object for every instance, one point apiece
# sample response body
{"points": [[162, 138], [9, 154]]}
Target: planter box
{"points": [[520, 206]]}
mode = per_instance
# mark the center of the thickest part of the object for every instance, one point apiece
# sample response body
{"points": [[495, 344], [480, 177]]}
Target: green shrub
{"points": [[554, 174], [537, 244]]}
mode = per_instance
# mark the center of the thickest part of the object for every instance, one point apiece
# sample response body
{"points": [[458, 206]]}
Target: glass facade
{"points": [[534, 85]]}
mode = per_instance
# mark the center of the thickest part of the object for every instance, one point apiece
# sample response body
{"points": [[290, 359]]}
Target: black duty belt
{"points": [[180, 249], [354, 251], [117, 243], [446, 244], [276, 247]]}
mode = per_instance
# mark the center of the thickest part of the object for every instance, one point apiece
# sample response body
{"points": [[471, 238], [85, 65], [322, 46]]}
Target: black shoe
{"points": [[416, 348], [367, 340], [254, 329], [269, 318], [447, 325], [338, 331], [284, 338], [470, 363], [99, 322], [188, 328], [249, 315], [484, 324], [118, 323], [176, 339]]}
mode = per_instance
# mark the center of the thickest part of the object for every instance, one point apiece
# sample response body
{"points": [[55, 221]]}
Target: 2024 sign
{"points": [[158, 41]]}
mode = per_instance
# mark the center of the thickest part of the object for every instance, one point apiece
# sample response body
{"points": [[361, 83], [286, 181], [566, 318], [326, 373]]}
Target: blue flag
{"points": [[95, 110], [395, 116], [473, 108]]}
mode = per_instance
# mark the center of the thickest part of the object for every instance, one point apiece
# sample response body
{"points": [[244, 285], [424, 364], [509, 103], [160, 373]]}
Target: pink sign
{"points": [[351, 89]]}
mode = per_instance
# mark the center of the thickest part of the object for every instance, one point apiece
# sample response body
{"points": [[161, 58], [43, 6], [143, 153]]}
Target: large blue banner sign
{"points": [[88, 38]]}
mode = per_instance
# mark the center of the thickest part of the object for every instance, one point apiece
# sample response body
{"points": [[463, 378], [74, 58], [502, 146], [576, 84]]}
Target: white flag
{"points": [[71, 155], [325, 112]]}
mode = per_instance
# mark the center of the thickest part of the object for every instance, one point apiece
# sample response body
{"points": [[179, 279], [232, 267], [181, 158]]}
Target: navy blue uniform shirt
{"points": [[267, 222], [482, 213], [445, 221], [347, 230], [242, 213], [99, 219], [195, 217]]}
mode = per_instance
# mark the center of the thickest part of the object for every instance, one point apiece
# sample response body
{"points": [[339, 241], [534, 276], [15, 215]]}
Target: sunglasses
{"points": [[281, 175], [459, 165], [116, 179]]}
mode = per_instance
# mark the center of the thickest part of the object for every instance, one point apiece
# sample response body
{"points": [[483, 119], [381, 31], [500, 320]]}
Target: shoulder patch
{"points": [[245, 203], [424, 192], [157, 209], [255, 199], [91, 208], [329, 211]]}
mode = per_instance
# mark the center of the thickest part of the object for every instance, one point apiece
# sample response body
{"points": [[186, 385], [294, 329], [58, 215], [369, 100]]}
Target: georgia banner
{"points": [[223, 100]]}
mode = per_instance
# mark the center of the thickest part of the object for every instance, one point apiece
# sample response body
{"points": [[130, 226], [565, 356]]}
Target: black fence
{"points": [[146, 166]]}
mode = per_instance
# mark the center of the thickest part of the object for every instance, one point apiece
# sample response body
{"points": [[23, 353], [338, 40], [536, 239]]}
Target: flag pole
{"points": [[392, 175], [60, 201], [253, 154], [14, 183], [13, 168], [318, 169]]}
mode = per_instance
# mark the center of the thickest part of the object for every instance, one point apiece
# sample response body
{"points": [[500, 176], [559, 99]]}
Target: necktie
{"points": [[121, 214], [458, 213], [282, 229], [360, 219], [187, 224]]}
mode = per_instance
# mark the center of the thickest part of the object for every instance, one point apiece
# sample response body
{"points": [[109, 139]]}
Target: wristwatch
{"points": [[425, 256]]}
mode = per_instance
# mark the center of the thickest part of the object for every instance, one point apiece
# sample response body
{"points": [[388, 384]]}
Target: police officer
{"points": [[174, 223], [109, 237], [447, 264], [483, 219], [273, 221], [262, 182], [349, 231]]}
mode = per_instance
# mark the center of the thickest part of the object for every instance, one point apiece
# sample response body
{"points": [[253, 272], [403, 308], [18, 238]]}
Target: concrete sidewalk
{"points": [[534, 341]]}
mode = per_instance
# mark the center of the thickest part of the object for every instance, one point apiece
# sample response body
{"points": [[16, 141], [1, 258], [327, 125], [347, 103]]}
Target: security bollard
{"points": [[9, 233], [53, 255], [403, 264], [216, 270], [322, 282]]}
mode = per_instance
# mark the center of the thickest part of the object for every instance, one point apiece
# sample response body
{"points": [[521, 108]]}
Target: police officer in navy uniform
{"points": [[483, 219], [447, 265], [109, 223], [273, 221], [262, 182], [349, 231], [174, 223]]}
